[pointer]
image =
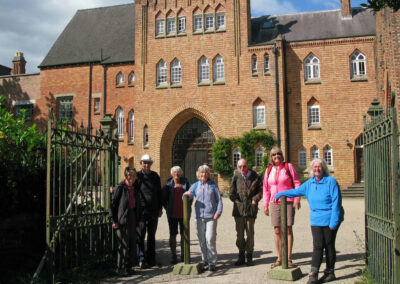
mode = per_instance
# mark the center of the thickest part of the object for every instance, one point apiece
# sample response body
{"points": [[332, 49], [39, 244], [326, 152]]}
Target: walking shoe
{"points": [[212, 267], [312, 278], [205, 266], [249, 257], [241, 260], [328, 277], [174, 259]]}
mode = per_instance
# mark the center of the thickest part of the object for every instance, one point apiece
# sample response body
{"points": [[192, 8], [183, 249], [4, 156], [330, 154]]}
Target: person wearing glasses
{"points": [[150, 203], [324, 197], [280, 176], [123, 214], [245, 193]]}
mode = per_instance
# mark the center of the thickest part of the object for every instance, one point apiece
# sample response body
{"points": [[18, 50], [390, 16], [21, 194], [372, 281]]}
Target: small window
{"points": [[328, 156], [357, 63], [131, 126], [161, 73], [313, 115], [259, 157], [314, 153], [131, 79], [160, 27], [120, 79], [198, 23], [120, 123], [96, 105], [220, 21], [176, 72], [65, 108], [254, 64], [204, 70], [266, 63], [311, 67], [24, 106], [302, 157], [171, 27], [146, 136], [209, 22], [181, 24], [259, 115], [236, 157], [219, 69]]}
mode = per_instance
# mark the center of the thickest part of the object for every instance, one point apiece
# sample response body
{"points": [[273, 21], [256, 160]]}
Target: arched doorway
{"points": [[359, 149], [192, 147]]}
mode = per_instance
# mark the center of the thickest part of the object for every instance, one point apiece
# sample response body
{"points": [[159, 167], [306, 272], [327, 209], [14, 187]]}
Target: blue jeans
{"points": [[207, 234]]}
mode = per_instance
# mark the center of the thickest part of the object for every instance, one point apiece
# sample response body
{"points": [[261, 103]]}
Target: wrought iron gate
{"points": [[381, 156], [80, 169]]}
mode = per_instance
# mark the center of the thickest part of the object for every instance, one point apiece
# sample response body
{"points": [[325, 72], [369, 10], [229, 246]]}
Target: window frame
{"points": [[145, 136], [311, 117], [314, 153], [256, 111], [209, 25], [162, 73], [198, 19], [175, 66], [219, 69], [217, 25], [131, 132], [266, 64], [179, 24], [302, 157], [62, 102], [356, 63], [172, 21], [119, 117], [259, 162], [96, 102], [254, 65], [204, 69], [120, 80], [158, 31], [312, 70], [236, 156], [329, 160]]}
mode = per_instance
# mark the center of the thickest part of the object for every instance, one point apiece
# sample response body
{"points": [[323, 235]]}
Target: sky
{"points": [[32, 26]]}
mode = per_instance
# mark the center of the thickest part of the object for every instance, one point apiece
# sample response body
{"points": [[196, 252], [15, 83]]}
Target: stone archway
{"points": [[192, 147]]}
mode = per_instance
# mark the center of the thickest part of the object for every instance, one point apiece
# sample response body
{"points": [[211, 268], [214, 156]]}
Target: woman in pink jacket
{"points": [[280, 176]]}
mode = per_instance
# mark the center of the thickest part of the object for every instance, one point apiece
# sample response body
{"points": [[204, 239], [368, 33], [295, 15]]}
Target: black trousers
{"points": [[323, 239], [150, 227], [126, 237]]}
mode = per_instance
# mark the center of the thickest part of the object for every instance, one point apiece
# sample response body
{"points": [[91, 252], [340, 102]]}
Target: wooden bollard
{"points": [[284, 237], [186, 229]]}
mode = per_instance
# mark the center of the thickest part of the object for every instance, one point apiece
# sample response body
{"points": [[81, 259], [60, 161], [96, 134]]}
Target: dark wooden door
{"points": [[360, 164], [192, 147]]}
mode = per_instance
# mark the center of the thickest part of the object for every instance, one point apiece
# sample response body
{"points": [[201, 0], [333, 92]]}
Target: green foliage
{"points": [[222, 150], [22, 194], [366, 278], [378, 5]]}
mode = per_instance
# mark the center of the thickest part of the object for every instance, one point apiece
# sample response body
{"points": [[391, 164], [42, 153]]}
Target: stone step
{"points": [[354, 191]]}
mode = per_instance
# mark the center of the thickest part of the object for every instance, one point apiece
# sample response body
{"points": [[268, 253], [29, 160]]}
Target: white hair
{"points": [[323, 164], [202, 169], [177, 169]]}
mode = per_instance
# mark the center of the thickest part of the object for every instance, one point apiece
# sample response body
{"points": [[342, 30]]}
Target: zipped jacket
{"points": [[208, 199], [168, 193], [119, 206]]}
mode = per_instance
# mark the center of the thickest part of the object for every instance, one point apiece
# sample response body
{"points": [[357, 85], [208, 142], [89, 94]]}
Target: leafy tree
{"points": [[378, 5], [22, 191]]}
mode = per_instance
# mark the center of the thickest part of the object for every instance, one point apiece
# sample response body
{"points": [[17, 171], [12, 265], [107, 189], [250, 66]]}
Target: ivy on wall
{"points": [[222, 150]]}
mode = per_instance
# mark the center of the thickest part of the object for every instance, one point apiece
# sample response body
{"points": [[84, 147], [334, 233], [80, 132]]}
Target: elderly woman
{"points": [[323, 194], [123, 214], [208, 208], [173, 204], [280, 176]]}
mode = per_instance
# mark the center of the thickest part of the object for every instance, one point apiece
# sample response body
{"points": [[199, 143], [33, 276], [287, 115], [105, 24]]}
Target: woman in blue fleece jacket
{"points": [[324, 197]]}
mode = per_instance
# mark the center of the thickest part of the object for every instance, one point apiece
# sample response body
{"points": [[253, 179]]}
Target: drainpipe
{"points": [[286, 99], [104, 83], [278, 120]]}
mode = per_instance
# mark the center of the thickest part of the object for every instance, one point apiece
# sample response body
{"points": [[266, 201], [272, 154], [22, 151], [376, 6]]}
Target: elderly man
{"points": [[245, 193], [150, 203]]}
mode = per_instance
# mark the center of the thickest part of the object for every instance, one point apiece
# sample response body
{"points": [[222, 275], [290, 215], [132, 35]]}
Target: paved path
{"points": [[349, 246]]}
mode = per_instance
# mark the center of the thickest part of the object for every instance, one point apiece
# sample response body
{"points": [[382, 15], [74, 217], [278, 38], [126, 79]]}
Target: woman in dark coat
{"points": [[123, 213]]}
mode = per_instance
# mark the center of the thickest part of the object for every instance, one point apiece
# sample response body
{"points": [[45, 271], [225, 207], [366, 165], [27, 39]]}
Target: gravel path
{"points": [[349, 246]]}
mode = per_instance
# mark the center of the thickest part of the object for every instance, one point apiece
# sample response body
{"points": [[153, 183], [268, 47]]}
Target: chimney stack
{"points": [[346, 9], [18, 64]]}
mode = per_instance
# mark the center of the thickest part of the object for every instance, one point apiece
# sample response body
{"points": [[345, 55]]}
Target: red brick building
{"points": [[178, 74]]}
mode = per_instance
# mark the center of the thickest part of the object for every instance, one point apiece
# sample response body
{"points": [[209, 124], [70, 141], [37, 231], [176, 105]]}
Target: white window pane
{"points": [[171, 25], [160, 27], [220, 21], [182, 24], [198, 23], [209, 22]]}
